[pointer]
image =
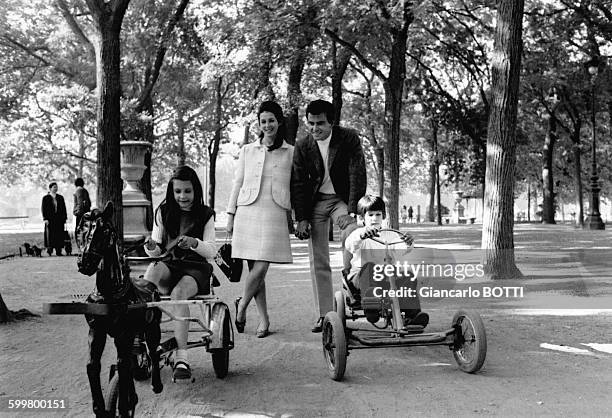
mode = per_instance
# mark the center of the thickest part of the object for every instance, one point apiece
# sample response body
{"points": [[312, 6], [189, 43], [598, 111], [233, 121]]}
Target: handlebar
{"points": [[380, 241]]}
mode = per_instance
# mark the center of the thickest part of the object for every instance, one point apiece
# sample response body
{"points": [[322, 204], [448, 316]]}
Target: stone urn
{"points": [[135, 203], [458, 210]]}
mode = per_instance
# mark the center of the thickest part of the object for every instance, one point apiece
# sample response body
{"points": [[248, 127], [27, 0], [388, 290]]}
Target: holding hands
{"points": [[303, 230]]}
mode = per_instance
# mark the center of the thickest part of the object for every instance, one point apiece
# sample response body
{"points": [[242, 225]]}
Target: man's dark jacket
{"points": [[346, 170]]}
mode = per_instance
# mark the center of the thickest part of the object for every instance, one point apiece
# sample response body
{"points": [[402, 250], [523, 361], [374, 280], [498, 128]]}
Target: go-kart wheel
{"points": [[470, 346], [334, 346], [220, 357], [112, 398], [339, 307]]}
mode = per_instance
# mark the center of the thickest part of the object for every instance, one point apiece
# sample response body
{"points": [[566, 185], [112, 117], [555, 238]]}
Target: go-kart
{"points": [[387, 323]]}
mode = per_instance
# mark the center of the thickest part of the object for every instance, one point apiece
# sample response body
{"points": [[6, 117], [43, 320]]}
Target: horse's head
{"points": [[99, 237]]}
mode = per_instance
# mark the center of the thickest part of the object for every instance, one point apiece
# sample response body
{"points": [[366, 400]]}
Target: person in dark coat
{"points": [[327, 180], [54, 215], [82, 204]]}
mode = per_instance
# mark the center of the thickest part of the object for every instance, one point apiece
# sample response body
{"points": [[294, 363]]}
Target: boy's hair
{"points": [[52, 184], [371, 203], [79, 182], [317, 107]]}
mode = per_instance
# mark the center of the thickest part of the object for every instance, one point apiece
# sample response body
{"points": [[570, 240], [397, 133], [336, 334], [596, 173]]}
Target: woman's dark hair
{"points": [[318, 107], [371, 203], [170, 210], [79, 182], [281, 134], [52, 184]]}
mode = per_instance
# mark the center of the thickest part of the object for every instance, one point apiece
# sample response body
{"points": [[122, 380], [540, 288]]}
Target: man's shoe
{"points": [[318, 326]]}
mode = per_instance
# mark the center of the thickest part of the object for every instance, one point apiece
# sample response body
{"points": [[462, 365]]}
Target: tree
{"points": [[393, 20], [498, 222], [108, 18]]}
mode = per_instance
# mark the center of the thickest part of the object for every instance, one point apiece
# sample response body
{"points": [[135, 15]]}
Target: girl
{"points": [[185, 228], [259, 202]]}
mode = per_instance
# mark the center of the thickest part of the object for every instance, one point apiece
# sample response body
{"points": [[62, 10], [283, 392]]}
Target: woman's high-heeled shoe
{"points": [[263, 333], [239, 325]]}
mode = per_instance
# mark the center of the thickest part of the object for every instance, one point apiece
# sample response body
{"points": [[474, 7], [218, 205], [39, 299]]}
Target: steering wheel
{"points": [[384, 242]]}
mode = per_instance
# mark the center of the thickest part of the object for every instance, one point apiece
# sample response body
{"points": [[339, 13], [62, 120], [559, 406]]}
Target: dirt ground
{"points": [[284, 375]]}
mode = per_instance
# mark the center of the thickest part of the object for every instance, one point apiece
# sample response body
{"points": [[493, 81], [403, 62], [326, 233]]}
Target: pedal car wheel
{"points": [[220, 357], [470, 346], [334, 346], [339, 307]]}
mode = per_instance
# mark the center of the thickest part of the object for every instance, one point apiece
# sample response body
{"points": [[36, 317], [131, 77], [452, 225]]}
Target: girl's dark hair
{"points": [[371, 203], [79, 182], [52, 184], [281, 134], [170, 210]]}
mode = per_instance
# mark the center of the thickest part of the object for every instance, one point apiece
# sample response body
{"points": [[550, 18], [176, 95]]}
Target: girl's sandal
{"points": [[181, 371], [239, 324]]}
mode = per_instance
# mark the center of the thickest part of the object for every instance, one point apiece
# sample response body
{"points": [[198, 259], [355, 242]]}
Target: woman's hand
{"points": [[230, 223], [186, 242]]}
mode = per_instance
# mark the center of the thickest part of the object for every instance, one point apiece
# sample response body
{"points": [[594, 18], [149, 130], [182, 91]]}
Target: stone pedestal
{"points": [[458, 210], [134, 201]]}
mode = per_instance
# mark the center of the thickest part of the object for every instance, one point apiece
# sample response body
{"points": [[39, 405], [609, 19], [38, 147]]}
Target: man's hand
{"points": [[345, 220], [186, 242], [230, 223], [303, 230], [150, 244], [408, 239], [46, 222], [369, 232]]}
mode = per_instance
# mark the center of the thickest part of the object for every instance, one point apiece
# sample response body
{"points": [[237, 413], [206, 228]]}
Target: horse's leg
{"points": [[97, 341], [153, 337], [127, 392]]}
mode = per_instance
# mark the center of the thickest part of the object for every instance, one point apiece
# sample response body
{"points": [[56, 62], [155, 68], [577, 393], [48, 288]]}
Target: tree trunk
{"points": [[181, 155], [213, 147], [528, 201], [305, 37], [5, 314], [548, 199], [578, 180], [498, 222], [433, 171], [340, 63], [380, 160], [108, 17], [394, 88]]}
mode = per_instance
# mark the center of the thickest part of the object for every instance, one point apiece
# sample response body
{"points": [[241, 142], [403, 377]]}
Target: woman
{"points": [[54, 214], [257, 210]]}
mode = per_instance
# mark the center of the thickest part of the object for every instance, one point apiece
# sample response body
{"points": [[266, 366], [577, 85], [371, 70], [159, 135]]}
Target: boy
{"points": [[371, 211]]}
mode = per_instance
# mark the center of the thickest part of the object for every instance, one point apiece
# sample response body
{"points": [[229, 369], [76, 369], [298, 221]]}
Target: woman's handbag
{"points": [[231, 267]]}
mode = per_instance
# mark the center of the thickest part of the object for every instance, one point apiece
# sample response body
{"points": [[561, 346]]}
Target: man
{"points": [[82, 204], [328, 179]]}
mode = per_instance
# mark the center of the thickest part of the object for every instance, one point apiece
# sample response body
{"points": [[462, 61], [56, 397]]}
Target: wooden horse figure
{"points": [[101, 255]]}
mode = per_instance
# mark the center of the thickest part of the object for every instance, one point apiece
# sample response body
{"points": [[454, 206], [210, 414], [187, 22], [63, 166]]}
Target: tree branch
{"points": [[356, 52], [159, 56], [76, 29]]}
